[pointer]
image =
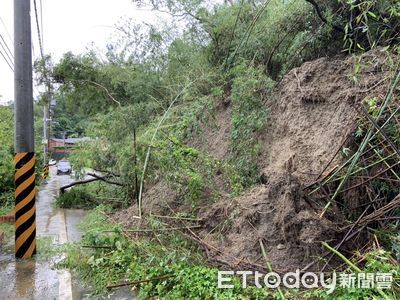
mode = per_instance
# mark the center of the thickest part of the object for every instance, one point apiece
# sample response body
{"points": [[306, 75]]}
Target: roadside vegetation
{"points": [[6, 158], [146, 101]]}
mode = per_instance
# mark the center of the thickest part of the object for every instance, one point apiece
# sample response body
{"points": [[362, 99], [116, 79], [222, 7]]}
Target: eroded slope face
{"points": [[314, 114]]}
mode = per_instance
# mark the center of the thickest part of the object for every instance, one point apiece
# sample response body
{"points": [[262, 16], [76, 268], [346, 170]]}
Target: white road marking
{"points": [[65, 285], [64, 276]]}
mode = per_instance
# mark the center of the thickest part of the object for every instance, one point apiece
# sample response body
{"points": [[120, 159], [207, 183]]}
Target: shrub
{"points": [[76, 198], [249, 117]]}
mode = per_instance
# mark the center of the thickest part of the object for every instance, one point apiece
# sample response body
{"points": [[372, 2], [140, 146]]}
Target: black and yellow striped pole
{"points": [[25, 225], [45, 171]]}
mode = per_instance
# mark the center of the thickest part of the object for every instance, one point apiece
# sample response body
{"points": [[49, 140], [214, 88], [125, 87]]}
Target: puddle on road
{"points": [[28, 279], [38, 279]]}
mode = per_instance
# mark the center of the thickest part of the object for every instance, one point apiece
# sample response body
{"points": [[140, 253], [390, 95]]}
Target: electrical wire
{"points": [[5, 27], [38, 29], [8, 48], [40, 36], [8, 55], [5, 59], [41, 20], [9, 59]]}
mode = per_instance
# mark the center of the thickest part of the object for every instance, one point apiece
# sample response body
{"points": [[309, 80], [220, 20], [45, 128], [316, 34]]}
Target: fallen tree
{"points": [[95, 178]]}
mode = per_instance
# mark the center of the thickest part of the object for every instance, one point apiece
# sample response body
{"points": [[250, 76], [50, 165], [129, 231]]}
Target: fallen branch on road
{"points": [[96, 178]]}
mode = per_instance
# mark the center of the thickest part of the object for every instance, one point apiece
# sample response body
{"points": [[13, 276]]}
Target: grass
{"points": [[178, 262], [173, 268]]}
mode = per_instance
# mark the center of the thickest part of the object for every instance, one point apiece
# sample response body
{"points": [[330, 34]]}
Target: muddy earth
{"points": [[311, 116]]}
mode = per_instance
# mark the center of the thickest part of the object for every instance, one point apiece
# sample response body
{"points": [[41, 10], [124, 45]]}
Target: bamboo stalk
{"points": [[139, 281], [367, 167], [380, 130], [353, 266], [264, 253], [177, 218], [337, 247], [135, 164], [371, 178], [325, 181], [151, 145], [162, 229], [364, 143], [387, 165]]}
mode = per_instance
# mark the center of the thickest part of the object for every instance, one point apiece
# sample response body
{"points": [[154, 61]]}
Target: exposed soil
{"points": [[315, 112], [311, 118], [215, 137]]}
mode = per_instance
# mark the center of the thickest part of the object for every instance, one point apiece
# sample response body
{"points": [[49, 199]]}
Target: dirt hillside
{"points": [[314, 113], [311, 118]]}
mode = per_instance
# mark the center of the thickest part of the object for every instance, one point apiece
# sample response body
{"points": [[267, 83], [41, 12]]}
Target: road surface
{"points": [[37, 278]]}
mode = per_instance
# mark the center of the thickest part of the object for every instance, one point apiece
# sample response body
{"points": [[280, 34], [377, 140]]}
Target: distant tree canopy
{"points": [[143, 61], [218, 50]]}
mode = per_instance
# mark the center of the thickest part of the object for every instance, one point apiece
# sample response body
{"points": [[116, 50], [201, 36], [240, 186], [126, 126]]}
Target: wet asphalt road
{"points": [[37, 278]]}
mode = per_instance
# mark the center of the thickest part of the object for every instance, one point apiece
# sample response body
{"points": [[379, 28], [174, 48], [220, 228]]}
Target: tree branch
{"points": [[321, 16], [105, 179], [95, 84], [105, 89], [96, 178]]}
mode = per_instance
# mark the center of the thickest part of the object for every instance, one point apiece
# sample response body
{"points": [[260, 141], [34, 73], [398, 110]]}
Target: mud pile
{"points": [[314, 113]]}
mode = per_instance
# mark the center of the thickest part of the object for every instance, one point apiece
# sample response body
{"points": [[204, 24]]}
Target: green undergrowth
{"points": [[250, 87], [75, 198], [376, 262], [7, 228], [120, 259], [91, 195], [106, 257]]}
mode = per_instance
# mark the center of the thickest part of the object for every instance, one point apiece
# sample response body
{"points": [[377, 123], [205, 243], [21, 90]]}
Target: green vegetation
{"points": [[76, 198], [173, 258], [171, 267], [250, 88], [6, 157], [237, 51], [159, 89], [7, 154], [90, 196], [376, 262]]}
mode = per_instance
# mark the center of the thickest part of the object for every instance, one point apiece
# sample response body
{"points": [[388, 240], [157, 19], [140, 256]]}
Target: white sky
{"points": [[68, 25]]}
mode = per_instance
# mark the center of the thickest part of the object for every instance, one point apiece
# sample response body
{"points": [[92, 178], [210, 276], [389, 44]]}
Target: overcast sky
{"points": [[67, 26]]}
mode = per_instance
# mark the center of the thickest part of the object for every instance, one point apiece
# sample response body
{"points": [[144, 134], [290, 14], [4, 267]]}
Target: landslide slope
{"points": [[313, 116]]}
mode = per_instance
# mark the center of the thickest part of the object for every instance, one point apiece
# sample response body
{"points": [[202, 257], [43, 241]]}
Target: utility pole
{"points": [[45, 137], [45, 141], [25, 223]]}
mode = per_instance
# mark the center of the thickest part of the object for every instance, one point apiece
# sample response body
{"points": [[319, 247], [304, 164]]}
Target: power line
{"points": [[5, 27], [8, 52], [41, 20], [5, 59], [38, 29], [40, 36], [8, 55], [8, 48]]}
